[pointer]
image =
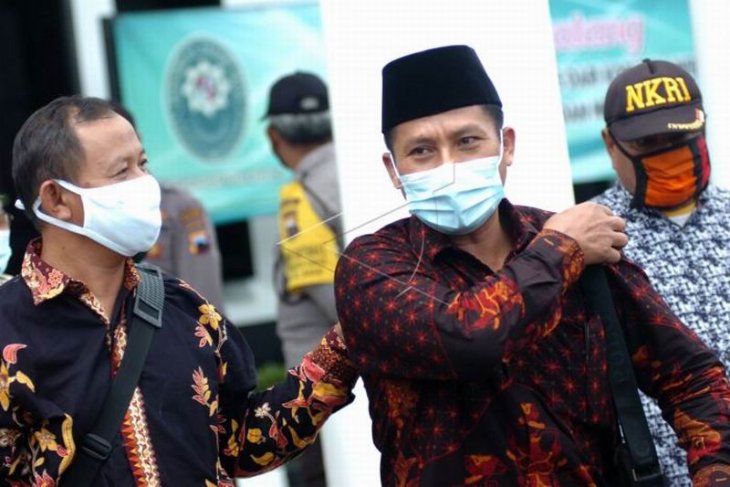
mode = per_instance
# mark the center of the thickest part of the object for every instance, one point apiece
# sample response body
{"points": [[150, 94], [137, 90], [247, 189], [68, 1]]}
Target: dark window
{"points": [[134, 5], [37, 53], [586, 191]]}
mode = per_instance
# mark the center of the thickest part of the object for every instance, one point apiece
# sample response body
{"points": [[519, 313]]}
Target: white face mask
{"points": [[5, 249], [124, 217], [456, 198]]}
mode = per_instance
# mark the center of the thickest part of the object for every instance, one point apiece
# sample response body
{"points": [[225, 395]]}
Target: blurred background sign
{"points": [[594, 41], [197, 81]]}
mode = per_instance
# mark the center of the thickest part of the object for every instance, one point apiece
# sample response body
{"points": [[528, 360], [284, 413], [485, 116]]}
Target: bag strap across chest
{"points": [[146, 320], [637, 453]]}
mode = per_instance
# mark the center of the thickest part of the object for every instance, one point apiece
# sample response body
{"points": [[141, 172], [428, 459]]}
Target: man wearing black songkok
{"points": [[481, 359]]}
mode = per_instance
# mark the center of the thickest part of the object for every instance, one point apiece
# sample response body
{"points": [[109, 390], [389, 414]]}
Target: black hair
{"points": [[47, 146], [122, 111], [305, 128]]}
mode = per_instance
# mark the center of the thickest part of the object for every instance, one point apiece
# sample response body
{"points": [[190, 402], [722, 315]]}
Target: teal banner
{"points": [[197, 82], [594, 41]]}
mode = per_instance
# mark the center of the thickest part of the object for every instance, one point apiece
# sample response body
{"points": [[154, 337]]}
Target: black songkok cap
{"points": [[434, 81]]}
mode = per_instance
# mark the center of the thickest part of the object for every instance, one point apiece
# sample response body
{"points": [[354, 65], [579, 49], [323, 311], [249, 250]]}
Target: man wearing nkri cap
{"points": [[300, 133], [678, 223], [481, 359]]}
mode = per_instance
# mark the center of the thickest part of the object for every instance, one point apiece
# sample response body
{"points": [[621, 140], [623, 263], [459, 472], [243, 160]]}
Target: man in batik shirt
{"points": [[678, 221], [481, 361], [80, 172]]}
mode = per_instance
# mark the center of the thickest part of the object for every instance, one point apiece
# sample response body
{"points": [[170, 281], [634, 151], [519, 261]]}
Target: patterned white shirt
{"points": [[690, 267]]}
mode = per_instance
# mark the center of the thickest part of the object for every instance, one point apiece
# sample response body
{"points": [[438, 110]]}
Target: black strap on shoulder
{"points": [[146, 320], [643, 467]]}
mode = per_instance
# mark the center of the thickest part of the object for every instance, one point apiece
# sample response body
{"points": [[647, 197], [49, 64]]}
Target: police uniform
{"points": [[187, 246], [309, 226]]}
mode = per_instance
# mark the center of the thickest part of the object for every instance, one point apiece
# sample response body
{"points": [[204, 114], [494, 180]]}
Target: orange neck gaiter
{"points": [[670, 176]]}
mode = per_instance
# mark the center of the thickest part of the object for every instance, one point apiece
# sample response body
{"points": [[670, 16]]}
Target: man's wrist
{"points": [[331, 355], [550, 243]]}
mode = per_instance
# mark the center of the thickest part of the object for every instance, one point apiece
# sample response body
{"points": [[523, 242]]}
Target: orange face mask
{"points": [[670, 176]]}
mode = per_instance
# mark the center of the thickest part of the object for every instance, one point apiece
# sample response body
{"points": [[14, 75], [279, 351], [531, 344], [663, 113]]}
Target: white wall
{"points": [[710, 21], [514, 41]]}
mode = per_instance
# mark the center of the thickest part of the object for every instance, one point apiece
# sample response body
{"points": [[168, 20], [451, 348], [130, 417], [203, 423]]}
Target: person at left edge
{"points": [[80, 172], [5, 250]]}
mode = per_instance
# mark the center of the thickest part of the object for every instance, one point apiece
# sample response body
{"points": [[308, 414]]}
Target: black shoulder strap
{"points": [[644, 465], [146, 320]]}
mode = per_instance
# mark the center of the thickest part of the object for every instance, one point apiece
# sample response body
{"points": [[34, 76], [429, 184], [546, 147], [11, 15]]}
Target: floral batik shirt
{"points": [[689, 265], [193, 419], [487, 378]]}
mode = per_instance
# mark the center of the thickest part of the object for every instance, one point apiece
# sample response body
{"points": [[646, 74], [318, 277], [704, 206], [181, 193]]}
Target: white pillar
{"points": [[87, 18], [275, 478], [710, 20]]}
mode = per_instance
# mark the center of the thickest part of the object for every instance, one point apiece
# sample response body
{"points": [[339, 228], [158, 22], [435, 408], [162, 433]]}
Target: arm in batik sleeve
{"points": [[674, 366], [403, 320], [279, 423], [34, 455]]}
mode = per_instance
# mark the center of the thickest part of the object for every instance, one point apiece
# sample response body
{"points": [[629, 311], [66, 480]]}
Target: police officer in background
{"points": [[187, 246], [300, 132], [5, 250]]}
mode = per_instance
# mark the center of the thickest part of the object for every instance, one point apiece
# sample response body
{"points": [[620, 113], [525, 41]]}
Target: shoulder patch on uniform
{"points": [[198, 242]]}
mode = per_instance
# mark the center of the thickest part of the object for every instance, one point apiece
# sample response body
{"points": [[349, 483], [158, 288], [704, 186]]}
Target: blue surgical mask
{"points": [[5, 249], [456, 198]]}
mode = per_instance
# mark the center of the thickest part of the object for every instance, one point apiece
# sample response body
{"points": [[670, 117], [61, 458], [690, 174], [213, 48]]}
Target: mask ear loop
{"points": [[38, 211], [501, 145], [702, 168], [642, 180], [397, 173]]}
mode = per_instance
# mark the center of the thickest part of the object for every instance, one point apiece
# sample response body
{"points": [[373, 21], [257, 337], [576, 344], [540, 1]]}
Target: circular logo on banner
{"points": [[206, 98]]}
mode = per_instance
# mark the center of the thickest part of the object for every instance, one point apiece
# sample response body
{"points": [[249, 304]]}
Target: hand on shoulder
{"points": [[599, 233]]}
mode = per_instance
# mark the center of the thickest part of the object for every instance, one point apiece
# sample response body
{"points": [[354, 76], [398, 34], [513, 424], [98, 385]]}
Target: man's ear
{"points": [[58, 203], [279, 146], [389, 164], [610, 144], [608, 140], [508, 145], [508, 151], [273, 134]]}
